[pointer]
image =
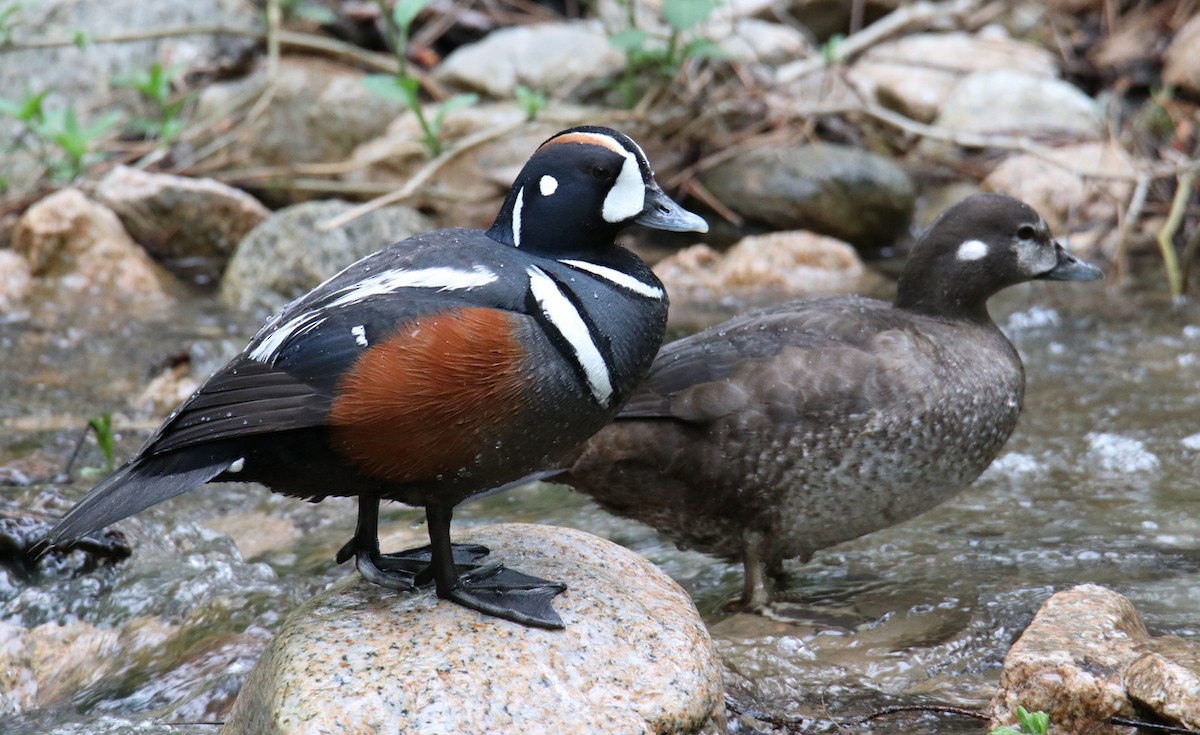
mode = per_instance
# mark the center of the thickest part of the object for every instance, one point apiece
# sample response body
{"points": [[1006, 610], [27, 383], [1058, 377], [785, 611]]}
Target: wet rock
{"points": [[759, 270], [1003, 102], [915, 74], [80, 250], [1063, 188], [190, 225], [286, 256], [21, 537], [634, 657], [1165, 687], [1181, 63], [319, 111], [16, 280], [544, 57], [1078, 657], [846, 193]]}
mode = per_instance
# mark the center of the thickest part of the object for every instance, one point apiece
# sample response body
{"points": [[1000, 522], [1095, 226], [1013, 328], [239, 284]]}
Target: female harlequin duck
{"points": [[446, 365], [803, 425]]}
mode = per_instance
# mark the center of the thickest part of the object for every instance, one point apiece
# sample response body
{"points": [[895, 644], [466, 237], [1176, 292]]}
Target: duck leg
{"points": [[491, 589], [403, 570], [755, 595]]}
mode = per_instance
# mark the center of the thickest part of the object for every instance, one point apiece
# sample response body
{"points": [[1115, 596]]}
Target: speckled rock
{"points": [[846, 193], [1003, 102], [79, 249], [1060, 188], [285, 256], [319, 111], [1079, 657], [758, 270], [1181, 62], [634, 657], [189, 225], [544, 57], [914, 74]]}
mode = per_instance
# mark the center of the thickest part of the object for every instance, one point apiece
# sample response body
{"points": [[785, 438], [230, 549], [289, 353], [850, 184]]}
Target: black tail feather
{"points": [[133, 488]]}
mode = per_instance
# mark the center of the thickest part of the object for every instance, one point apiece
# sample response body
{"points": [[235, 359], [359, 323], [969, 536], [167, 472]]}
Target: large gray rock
{"points": [[286, 256], [85, 78], [634, 657], [846, 193], [1083, 660], [915, 74], [319, 112], [543, 57], [1003, 102], [190, 225]]}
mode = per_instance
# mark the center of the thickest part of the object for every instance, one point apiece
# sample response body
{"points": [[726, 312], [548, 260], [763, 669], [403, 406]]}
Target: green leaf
{"points": [[406, 11], [628, 40], [531, 100], [1004, 730], [82, 39], [703, 48], [449, 105], [100, 127], [683, 14], [393, 87], [102, 426], [1034, 723], [26, 110]]}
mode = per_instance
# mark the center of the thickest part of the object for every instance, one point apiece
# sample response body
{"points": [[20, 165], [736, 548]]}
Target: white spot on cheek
{"points": [[548, 185], [516, 222], [627, 198], [360, 334], [972, 250]]}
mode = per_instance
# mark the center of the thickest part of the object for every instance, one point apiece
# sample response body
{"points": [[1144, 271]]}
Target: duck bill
{"points": [[1070, 268], [664, 213]]}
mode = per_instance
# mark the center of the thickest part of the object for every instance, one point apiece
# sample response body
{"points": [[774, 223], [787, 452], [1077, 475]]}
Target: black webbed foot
{"points": [[504, 593]]}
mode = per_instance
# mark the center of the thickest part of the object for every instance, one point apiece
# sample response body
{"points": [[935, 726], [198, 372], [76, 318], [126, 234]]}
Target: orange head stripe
{"points": [[589, 139], [431, 397]]}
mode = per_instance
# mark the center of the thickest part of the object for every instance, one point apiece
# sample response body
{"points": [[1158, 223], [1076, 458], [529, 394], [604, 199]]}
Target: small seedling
{"points": [[61, 129], [403, 85], [154, 86], [643, 57], [1028, 723], [102, 427], [530, 100], [10, 18]]}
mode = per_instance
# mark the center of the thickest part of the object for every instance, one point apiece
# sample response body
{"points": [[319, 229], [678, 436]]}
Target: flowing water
{"points": [[1099, 484]]}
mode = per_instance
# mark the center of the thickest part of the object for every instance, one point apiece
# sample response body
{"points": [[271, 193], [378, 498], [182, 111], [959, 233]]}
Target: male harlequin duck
{"points": [[446, 365], [803, 425]]}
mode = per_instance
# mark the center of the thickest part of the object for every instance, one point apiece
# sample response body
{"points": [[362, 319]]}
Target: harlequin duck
{"points": [[452, 363], [803, 425]]}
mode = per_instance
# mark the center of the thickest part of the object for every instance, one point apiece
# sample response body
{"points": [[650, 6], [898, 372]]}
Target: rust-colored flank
{"points": [[425, 401]]}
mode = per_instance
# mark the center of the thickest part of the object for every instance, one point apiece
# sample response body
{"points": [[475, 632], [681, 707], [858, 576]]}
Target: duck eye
{"points": [[601, 172], [1026, 232]]}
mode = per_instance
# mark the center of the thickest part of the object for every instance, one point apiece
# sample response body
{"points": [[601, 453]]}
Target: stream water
{"points": [[1099, 484]]}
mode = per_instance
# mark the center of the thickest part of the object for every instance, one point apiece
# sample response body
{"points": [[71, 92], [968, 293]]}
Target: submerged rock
{"points": [[1083, 660], [846, 193], [286, 256], [190, 225], [634, 657]]}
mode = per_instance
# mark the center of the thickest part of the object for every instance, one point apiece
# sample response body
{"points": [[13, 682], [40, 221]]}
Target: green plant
{"points": [[403, 85], [10, 18], [1028, 723], [60, 129], [530, 100], [643, 55], [154, 86], [102, 427]]}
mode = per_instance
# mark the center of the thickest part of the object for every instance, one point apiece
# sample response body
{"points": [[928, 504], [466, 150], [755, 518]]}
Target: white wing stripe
{"points": [[564, 316], [615, 276], [384, 282]]}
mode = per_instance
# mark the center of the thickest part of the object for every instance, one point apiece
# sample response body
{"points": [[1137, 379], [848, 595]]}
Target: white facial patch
{"points": [[627, 198], [972, 250], [547, 185], [563, 315], [516, 220], [360, 335], [618, 278], [382, 283]]}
